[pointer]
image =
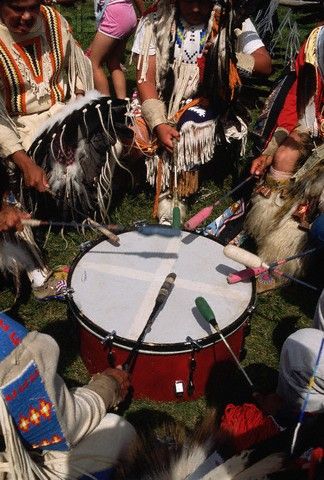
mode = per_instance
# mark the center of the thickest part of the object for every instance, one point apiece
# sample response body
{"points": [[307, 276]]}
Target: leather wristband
{"points": [[154, 112]]}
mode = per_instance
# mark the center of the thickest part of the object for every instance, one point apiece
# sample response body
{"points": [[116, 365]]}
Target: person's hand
{"points": [[260, 164], [35, 177], [10, 218], [166, 134], [122, 378]]}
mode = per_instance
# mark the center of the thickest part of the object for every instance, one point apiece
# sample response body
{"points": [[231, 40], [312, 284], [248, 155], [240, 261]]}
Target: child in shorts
{"points": [[116, 20]]}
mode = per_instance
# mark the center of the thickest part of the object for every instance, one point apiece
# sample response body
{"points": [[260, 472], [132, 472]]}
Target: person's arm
{"points": [[34, 176], [11, 148], [153, 109], [252, 56], [262, 62]]}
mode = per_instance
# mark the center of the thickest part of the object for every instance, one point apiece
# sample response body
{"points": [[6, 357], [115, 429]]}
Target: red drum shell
{"points": [[162, 371]]}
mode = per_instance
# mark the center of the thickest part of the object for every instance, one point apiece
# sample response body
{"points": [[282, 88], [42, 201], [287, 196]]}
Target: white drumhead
{"points": [[116, 287]]}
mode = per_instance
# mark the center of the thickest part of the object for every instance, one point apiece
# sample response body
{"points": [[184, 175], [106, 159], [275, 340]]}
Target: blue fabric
{"points": [[11, 335], [197, 114], [103, 475], [32, 411]]}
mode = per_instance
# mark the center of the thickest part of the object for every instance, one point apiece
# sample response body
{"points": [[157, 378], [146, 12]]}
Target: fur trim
{"points": [[67, 109]]}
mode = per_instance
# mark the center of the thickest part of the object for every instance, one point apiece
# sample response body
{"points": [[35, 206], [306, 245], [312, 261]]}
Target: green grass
{"points": [[277, 314]]}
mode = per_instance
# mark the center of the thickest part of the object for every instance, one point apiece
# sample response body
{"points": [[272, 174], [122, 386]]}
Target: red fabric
{"points": [[247, 425], [288, 117], [316, 457], [201, 62]]}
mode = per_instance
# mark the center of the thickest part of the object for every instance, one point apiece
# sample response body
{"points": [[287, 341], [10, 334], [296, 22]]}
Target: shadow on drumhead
{"points": [[191, 237], [225, 269], [138, 254], [201, 321]]}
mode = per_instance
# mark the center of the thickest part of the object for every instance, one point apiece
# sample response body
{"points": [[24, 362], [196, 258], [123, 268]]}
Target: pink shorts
{"points": [[119, 20]]}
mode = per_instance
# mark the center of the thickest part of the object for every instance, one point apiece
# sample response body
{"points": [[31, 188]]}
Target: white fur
{"points": [[286, 240], [13, 256], [67, 109], [259, 219]]}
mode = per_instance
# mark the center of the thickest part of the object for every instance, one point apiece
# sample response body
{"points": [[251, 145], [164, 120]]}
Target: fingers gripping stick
{"points": [[209, 316]]}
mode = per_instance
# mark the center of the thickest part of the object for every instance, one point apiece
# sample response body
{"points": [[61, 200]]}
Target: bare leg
{"points": [[102, 47], [116, 72]]}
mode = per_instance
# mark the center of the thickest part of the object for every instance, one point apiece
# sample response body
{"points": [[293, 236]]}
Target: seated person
{"points": [[50, 431], [291, 195], [19, 252], [318, 321], [40, 73], [181, 98]]}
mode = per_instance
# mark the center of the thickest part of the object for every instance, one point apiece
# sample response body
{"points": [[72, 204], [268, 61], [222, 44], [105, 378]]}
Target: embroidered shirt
{"points": [[37, 70]]}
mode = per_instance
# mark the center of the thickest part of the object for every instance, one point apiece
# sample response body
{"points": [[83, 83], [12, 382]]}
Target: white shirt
{"points": [[247, 42]]}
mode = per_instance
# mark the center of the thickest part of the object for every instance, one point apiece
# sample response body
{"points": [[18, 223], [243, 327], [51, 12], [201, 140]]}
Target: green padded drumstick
{"points": [[209, 316]]}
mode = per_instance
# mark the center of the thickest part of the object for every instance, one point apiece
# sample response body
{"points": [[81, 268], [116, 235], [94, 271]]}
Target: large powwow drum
{"points": [[112, 294]]}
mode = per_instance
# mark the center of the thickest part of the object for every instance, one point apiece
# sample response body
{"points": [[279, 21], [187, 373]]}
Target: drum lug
{"points": [[83, 246], [251, 309], [192, 364], [139, 223], [108, 342], [194, 344]]}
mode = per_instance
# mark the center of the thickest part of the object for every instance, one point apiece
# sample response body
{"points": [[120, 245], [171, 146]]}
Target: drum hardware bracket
{"points": [[251, 308], [68, 292], [83, 246], [192, 364], [108, 342], [194, 344], [139, 223]]}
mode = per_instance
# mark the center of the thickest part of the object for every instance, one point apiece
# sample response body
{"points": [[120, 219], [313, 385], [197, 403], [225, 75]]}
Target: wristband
{"points": [[154, 112], [245, 63]]}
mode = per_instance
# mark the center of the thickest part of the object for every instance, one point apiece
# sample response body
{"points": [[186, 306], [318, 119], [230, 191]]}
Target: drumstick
{"points": [[161, 298], [176, 219], [209, 316], [256, 266], [33, 222], [146, 230], [201, 216]]}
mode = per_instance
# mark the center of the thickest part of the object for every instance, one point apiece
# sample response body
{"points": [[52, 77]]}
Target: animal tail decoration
{"points": [[75, 148]]}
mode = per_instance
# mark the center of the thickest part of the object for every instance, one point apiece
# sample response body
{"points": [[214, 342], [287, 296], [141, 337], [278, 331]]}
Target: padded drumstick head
{"points": [[200, 217], [166, 288], [317, 229], [206, 311], [242, 256]]}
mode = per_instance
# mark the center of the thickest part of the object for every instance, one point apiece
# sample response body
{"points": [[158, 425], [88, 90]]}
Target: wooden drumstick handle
{"points": [[32, 222], [107, 233]]}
